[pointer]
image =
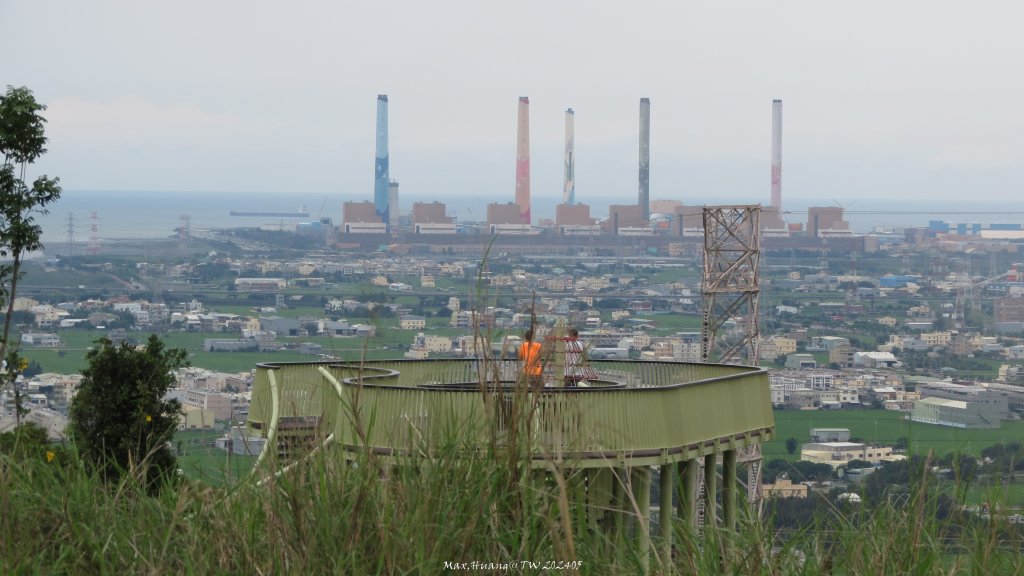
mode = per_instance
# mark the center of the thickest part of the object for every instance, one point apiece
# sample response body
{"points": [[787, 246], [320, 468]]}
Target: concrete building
{"points": [[1008, 309], [830, 434], [777, 346], [784, 488], [430, 213], [826, 222], [411, 322], [1014, 395], [280, 325], [838, 454], [498, 214], [41, 340], [798, 361], [624, 216], [260, 284], [985, 407], [954, 413], [361, 218], [430, 218], [196, 418], [688, 220], [217, 402], [573, 215], [874, 359]]}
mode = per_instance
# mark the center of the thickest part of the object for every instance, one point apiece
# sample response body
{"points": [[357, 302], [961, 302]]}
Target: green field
{"points": [[885, 426], [70, 358]]}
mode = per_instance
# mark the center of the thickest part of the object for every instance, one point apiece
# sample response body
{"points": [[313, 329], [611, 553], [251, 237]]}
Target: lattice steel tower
{"points": [[731, 291], [731, 288]]}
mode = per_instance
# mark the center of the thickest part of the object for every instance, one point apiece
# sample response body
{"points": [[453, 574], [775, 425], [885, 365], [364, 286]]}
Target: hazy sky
{"points": [[883, 99]]}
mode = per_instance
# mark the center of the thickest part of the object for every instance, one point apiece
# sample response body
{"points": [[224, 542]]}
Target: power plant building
{"points": [[431, 218], [361, 218], [575, 220], [626, 220], [506, 219], [827, 222], [689, 220]]}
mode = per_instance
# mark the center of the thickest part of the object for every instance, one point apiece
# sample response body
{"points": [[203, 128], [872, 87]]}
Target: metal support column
{"points": [[618, 507], [729, 489], [710, 490], [642, 476], [688, 505], [665, 513]]}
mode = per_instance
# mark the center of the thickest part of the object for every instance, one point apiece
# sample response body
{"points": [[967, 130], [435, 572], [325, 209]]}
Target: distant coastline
{"points": [[121, 215]]}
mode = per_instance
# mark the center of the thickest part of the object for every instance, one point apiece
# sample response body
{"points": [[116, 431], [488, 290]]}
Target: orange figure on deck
{"points": [[529, 355]]}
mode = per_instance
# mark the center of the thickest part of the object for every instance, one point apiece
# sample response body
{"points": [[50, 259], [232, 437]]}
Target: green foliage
{"points": [[33, 369], [26, 441], [797, 471], [119, 420], [22, 141], [791, 445], [329, 516]]}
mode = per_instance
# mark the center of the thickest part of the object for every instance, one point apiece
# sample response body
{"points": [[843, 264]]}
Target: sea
{"points": [[107, 215]]}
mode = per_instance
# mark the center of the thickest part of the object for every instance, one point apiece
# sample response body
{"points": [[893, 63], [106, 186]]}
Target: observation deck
{"points": [[635, 413]]}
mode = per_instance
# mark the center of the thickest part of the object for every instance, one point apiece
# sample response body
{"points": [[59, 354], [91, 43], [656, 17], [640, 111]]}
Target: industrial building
{"points": [[838, 454], [430, 218], [949, 404], [954, 413], [826, 222], [362, 218]]}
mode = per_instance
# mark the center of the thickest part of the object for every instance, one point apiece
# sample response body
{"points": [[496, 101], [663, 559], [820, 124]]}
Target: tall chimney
{"points": [[523, 161], [569, 186], [381, 180], [644, 193], [777, 156]]}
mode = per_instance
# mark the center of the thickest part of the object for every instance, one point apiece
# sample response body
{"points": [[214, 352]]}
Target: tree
{"points": [[22, 141], [119, 419], [791, 444]]}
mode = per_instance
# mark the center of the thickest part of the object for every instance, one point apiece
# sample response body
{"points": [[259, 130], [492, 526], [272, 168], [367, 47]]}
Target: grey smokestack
{"points": [[644, 193], [777, 156]]}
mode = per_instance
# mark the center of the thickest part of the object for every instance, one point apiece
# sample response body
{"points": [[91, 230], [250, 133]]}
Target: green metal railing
{"points": [[648, 412]]}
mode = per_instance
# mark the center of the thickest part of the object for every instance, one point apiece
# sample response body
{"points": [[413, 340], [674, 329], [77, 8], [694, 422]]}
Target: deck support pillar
{"points": [[666, 477], [729, 489]]}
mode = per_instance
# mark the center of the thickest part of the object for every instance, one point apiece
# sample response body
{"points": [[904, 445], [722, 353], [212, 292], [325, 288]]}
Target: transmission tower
{"points": [[731, 289]]}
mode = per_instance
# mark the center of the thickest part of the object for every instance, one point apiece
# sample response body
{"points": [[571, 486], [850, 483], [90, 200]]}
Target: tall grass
{"points": [[411, 515]]}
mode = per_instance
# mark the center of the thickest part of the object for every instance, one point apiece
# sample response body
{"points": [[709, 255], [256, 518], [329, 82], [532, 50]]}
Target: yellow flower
{"points": [[50, 456], [149, 418], [23, 365]]}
